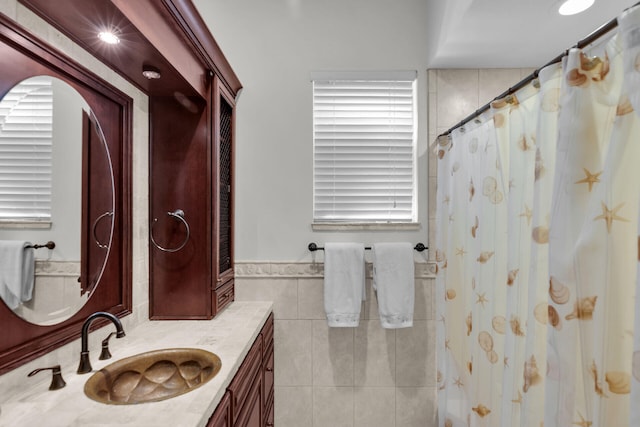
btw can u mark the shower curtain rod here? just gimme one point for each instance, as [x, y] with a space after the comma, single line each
[601, 31]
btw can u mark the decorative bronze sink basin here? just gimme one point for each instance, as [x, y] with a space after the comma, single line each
[152, 376]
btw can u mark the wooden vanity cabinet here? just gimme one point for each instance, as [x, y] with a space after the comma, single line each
[268, 371]
[222, 416]
[248, 401]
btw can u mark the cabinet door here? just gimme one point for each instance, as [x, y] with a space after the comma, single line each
[269, 417]
[268, 360]
[180, 281]
[222, 416]
[243, 383]
[252, 414]
[224, 150]
[268, 376]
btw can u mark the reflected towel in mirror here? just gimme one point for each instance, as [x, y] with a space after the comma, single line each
[17, 264]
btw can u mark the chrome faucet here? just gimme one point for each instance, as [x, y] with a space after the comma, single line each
[85, 363]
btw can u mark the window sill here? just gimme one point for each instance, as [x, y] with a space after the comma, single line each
[359, 226]
[5, 224]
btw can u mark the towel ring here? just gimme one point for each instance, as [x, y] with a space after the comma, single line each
[95, 225]
[179, 215]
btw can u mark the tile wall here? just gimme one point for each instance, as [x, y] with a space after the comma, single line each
[352, 377]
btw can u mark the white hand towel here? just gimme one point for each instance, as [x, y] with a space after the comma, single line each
[343, 283]
[394, 282]
[16, 272]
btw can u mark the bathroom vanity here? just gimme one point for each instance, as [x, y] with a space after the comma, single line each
[240, 395]
[169, 59]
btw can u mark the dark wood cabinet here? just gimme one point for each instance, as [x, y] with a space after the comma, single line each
[248, 401]
[268, 371]
[223, 189]
[252, 413]
[244, 381]
[222, 416]
[191, 167]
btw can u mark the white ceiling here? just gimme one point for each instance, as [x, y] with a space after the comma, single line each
[508, 33]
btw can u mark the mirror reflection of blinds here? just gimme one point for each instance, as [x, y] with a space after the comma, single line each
[26, 117]
[364, 144]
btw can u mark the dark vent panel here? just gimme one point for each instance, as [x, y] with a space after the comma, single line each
[226, 112]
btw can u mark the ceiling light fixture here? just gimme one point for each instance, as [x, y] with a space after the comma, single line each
[572, 7]
[151, 73]
[108, 37]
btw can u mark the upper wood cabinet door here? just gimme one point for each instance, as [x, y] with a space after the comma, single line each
[191, 162]
[224, 152]
[223, 194]
[180, 170]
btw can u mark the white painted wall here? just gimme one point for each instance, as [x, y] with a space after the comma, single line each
[273, 46]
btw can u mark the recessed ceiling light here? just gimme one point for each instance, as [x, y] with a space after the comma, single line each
[150, 72]
[108, 37]
[572, 7]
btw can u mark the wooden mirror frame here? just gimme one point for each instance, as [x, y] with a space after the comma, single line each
[21, 341]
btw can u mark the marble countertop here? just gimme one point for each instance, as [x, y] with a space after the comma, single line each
[230, 336]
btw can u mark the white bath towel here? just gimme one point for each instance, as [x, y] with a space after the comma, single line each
[343, 283]
[16, 272]
[393, 280]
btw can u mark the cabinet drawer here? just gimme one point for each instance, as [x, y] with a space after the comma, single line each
[242, 382]
[269, 414]
[251, 413]
[268, 374]
[267, 332]
[222, 416]
[223, 296]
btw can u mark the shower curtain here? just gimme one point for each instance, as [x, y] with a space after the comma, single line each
[537, 249]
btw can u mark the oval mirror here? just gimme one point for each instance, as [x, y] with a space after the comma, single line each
[56, 187]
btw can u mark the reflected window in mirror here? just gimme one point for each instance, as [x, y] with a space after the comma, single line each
[56, 163]
[26, 134]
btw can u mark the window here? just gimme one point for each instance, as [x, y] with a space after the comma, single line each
[364, 134]
[25, 152]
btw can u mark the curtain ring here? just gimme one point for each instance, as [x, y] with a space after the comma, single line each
[179, 215]
[95, 225]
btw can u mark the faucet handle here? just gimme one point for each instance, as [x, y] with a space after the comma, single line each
[106, 354]
[57, 382]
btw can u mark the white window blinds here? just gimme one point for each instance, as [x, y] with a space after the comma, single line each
[25, 151]
[364, 148]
